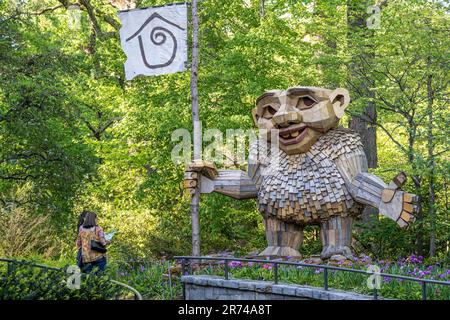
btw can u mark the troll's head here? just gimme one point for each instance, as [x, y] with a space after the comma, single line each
[300, 114]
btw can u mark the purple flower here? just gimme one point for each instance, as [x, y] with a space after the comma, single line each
[122, 274]
[250, 264]
[387, 279]
[268, 266]
[235, 264]
[318, 270]
[142, 268]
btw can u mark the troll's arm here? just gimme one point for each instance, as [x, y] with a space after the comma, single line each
[369, 189]
[233, 183]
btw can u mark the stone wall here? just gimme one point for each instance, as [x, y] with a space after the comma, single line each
[217, 288]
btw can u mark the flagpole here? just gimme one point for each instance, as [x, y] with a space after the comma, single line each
[197, 131]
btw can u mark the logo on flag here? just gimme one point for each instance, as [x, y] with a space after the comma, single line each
[154, 40]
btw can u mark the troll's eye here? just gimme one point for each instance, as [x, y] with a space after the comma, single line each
[305, 102]
[308, 101]
[269, 111]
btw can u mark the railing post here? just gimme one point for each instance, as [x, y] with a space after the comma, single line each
[424, 290]
[325, 279]
[275, 273]
[226, 270]
[183, 272]
[170, 281]
[183, 267]
[375, 293]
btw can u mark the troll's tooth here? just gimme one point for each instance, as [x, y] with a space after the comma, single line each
[286, 136]
[294, 134]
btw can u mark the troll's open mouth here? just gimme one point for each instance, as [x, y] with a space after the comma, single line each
[293, 134]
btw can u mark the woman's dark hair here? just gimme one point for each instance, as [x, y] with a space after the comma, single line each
[89, 220]
[81, 219]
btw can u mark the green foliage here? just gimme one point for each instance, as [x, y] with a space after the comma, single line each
[384, 239]
[23, 281]
[74, 135]
[150, 278]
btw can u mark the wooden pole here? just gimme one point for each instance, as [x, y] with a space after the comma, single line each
[197, 131]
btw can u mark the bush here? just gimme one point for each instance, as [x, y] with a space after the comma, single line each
[150, 278]
[23, 281]
[383, 239]
[22, 234]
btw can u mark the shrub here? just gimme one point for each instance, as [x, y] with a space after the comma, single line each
[383, 239]
[22, 234]
[23, 281]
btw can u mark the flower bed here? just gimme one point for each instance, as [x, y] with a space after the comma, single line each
[412, 266]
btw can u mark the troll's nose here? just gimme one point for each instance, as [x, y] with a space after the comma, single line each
[286, 117]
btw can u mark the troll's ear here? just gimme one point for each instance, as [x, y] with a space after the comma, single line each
[340, 99]
[255, 116]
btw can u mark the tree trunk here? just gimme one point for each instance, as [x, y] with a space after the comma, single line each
[197, 131]
[431, 164]
[262, 8]
[417, 180]
[358, 33]
[446, 215]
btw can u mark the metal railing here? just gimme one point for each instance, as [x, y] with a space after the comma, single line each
[185, 262]
[11, 262]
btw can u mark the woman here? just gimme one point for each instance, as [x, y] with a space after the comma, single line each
[89, 232]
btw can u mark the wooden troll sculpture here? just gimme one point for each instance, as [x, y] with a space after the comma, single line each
[317, 175]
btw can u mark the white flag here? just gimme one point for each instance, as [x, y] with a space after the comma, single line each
[154, 40]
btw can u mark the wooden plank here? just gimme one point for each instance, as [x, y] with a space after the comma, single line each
[387, 195]
[408, 207]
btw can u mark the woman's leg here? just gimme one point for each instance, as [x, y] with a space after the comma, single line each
[102, 264]
[79, 259]
[87, 267]
[99, 265]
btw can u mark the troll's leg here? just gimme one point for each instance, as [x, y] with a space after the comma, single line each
[336, 236]
[283, 238]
